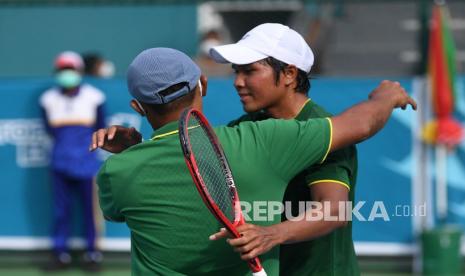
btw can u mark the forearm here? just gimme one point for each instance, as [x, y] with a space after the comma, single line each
[256, 240]
[312, 224]
[359, 122]
[365, 119]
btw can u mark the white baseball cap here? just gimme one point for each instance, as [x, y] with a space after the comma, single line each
[267, 40]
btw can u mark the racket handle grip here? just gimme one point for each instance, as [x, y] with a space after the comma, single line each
[256, 267]
[259, 273]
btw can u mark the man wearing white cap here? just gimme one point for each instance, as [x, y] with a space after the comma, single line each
[272, 63]
[149, 187]
[72, 110]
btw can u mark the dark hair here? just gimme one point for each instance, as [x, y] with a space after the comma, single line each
[303, 79]
[180, 103]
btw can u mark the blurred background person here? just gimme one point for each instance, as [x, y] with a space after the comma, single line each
[211, 68]
[95, 65]
[72, 110]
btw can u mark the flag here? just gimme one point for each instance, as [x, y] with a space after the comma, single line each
[441, 72]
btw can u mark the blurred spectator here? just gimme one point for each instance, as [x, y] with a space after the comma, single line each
[208, 66]
[97, 66]
[72, 110]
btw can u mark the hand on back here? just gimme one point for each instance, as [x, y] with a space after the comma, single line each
[115, 139]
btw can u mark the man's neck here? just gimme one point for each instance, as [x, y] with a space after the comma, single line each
[289, 107]
[159, 120]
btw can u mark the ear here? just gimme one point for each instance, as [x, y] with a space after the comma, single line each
[137, 107]
[204, 82]
[290, 74]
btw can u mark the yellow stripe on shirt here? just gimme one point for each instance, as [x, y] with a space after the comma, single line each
[164, 135]
[330, 140]
[169, 133]
[302, 107]
[330, 180]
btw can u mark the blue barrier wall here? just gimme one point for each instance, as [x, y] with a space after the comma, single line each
[385, 162]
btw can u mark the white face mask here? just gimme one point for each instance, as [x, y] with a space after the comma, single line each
[68, 78]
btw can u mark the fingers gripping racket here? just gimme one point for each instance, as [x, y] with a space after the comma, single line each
[212, 176]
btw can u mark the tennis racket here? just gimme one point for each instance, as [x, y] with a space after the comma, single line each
[212, 176]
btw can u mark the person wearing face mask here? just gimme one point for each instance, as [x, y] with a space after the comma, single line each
[72, 111]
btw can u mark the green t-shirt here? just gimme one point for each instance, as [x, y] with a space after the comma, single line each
[332, 254]
[149, 187]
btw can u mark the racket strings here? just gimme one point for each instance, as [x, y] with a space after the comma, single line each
[211, 168]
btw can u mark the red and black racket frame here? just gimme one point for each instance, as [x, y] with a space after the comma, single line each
[190, 159]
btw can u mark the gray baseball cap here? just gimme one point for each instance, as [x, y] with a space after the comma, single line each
[157, 69]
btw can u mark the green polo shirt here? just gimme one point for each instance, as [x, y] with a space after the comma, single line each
[149, 187]
[332, 254]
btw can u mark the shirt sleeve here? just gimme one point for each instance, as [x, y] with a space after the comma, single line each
[106, 198]
[339, 167]
[293, 146]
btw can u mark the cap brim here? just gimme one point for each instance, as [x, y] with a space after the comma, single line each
[236, 54]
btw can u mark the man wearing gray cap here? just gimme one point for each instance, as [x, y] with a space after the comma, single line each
[148, 185]
[272, 64]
